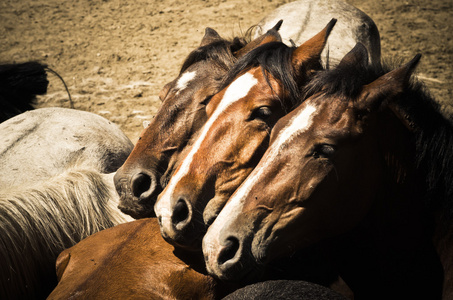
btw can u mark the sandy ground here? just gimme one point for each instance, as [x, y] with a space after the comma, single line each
[116, 55]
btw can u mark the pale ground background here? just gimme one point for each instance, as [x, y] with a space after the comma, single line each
[116, 55]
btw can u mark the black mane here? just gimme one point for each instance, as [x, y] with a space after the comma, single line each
[275, 59]
[433, 134]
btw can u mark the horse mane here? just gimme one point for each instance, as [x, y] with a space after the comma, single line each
[19, 85]
[38, 223]
[275, 59]
[433, 130]
[220, 52]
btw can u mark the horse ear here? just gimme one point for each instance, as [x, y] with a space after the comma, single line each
[210, 36]
[387, 86]
[164, 92]
[271, 35]
[358, 56]
[311, 49]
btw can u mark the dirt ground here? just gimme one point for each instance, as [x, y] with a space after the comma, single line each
[116, 55]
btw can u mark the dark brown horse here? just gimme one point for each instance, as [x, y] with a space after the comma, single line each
[182, 114]
[359, 167]
[261, 88]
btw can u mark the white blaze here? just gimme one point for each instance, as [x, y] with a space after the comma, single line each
[298, 124]
[236, 91]
[183, 82]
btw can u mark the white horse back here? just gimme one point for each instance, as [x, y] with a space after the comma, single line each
[303, 19]
[42, 143]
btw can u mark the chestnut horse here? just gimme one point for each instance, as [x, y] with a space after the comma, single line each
[54, 191]
[302, 19]
[132, 261]
[183, 112]
[359, 166]
[262, 87]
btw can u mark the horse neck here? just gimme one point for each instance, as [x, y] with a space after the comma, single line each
[393, 244]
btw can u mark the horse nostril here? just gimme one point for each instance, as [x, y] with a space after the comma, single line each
[229, 251]
[141, 183]
[180, 214]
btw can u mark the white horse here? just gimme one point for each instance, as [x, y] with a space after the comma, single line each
[304, 18]
[56, 188]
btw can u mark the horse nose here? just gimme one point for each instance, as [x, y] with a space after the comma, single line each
[182, 215]
[143, 185]
[229, 253]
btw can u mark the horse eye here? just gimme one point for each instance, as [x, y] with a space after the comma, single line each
[206, 100]
[323, 151]
[262, 113]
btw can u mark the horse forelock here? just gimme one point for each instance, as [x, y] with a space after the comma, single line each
[275, 59]
[345, 80]
[219, 53]
[40, 222]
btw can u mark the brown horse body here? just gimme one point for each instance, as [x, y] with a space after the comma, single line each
[129, 261]
[349, 170]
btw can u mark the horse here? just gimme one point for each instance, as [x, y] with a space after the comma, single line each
[158, 151]
[304, 18]
[19, 85]
[261, 87]
[362, 167]
[132, 260]
[155, 155]
[128, 261]
[56, 188]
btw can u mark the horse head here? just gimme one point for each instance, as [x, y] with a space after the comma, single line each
[320, 175]
[260, 88]
[183, 112]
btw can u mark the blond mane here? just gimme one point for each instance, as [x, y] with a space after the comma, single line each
[37, 223]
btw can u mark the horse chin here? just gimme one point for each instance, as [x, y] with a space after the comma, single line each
[188, 241]
[245, 272]
[136, 210]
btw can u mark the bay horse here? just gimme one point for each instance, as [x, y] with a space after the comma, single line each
[261, 87]
[19, 85]
[56, 188]
[358, 168]
[302, 19]
[183, 112]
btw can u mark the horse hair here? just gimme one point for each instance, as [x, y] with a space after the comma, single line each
[433, 131]
[220, 52]
[273, 58]
[38, 223]
[19, 85]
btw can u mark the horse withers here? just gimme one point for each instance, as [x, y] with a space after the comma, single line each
[304, 18]
[351, 168]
